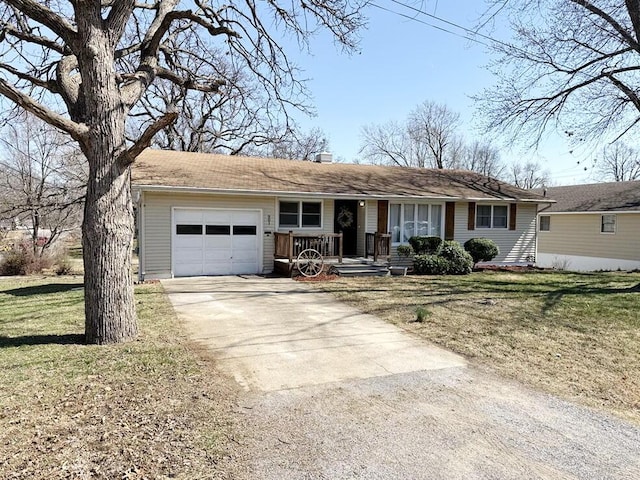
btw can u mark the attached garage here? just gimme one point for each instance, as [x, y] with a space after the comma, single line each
[216, 242]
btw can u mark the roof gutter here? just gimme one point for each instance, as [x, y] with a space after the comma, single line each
[165, 188]
[594, 212]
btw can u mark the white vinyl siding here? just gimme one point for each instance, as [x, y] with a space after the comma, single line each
[517, 245]
[372, 216]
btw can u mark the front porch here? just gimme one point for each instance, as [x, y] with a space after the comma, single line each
[288, 247]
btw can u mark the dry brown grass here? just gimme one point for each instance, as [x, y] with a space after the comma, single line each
[573, 335]
[146, 409]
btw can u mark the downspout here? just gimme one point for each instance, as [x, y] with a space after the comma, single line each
[139, 202]
[549, 205]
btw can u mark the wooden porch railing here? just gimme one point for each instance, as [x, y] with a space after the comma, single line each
[289, 245]
[378, 245]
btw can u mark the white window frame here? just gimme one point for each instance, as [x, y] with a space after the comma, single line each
[548, 229]
[299, 222]
[415, 216]
[492, 227]
[615, 223]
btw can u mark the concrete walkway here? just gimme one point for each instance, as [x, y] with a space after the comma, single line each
[274, 333]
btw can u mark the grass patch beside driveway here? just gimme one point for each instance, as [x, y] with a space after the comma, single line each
[146, 409]
[573, 335]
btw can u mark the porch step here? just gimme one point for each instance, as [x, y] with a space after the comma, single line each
[361, 270]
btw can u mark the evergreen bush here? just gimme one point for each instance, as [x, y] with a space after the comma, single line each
[460, 262]
[430, 265]
[482, 249]
[425, 245]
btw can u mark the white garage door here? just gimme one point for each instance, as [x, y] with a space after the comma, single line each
[216, 242]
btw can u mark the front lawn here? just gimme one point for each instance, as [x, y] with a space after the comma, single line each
[147, 409]
[574, 335]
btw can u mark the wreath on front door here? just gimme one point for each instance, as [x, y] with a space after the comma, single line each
[345, 218]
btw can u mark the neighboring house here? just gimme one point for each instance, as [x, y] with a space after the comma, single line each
[591, 227]
[207, 214]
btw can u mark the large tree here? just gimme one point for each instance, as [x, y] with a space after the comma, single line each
[572, 65]
[427, 138]
[84, 66]
[240, 118]
[434, 127]
[483, 158]
[618, 162]
[527, 175]
[298, 145]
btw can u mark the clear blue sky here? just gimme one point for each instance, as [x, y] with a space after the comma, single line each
[402, 63]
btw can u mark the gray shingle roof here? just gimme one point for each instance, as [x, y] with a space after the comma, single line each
[161, 168]
[596, 197]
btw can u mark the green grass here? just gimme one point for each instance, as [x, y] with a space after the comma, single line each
[69, 410]
[574, 335]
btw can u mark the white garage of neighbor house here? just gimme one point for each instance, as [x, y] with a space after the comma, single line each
[591, 227]
[209, 214]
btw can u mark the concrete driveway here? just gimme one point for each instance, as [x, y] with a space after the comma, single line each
[335, 394]
[274, 333]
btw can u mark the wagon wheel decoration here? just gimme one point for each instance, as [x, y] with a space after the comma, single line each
[310, 262]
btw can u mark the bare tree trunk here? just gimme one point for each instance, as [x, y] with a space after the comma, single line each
[107, 236]
[107, 228]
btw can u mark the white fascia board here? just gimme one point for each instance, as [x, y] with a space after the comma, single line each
[263, 193]
[599, 212]
[293, 194]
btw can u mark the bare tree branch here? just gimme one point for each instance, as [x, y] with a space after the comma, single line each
[623, 32]
[572, 66]
[47, 17]
[9, 29]
[76, 130]
[618, 162]
[128, 157]
[47, 84]
[426, 139]
[116, 21]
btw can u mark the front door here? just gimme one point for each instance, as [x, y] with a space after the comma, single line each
[346, 221]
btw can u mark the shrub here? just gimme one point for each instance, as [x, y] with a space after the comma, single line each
[405, 250]
[430, 265]
[424, 245]
[13, 263]
[482, 249]
[422, 314]
[63, 267]
[460, 262]
[22, 261]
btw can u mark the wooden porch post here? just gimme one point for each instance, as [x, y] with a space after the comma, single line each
[340, 247]
[388, 246]
[290, 247]
[376, 249]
